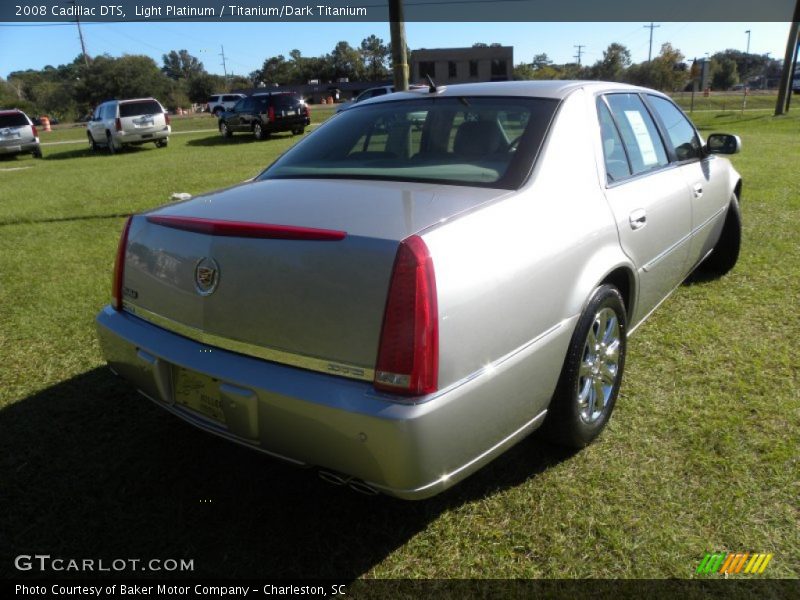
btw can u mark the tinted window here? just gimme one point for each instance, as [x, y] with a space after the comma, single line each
[642, 141]
[617, 166]
[143, 107]
[231, 98]
[110, 111]
[246, 105]
[213, 99]
[285, 101]
[680, 132]
[480, 141]
[13, 120]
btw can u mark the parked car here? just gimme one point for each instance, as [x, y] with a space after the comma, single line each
[118, 123]
[374, 92]
[262, 114]
[219, 103]
[398, 309]
[18, 134]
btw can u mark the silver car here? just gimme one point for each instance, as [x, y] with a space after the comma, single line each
[18, 134]
[119, 123]
[396, 307]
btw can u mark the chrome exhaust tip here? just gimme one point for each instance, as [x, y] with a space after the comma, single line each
[333, 478]
[340, 479]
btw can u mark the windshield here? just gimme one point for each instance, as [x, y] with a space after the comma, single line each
[484, 141]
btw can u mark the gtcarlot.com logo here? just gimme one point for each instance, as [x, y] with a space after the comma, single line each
[45, 562]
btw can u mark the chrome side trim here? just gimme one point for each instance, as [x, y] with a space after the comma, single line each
[279, 356]
[684, 239]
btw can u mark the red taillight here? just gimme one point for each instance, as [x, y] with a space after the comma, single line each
[271, 114]
[408, 356]
[166, 118]
[118, 124]
[119, 266]
[35, 131]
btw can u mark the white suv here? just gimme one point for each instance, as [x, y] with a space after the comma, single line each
[119, 123]
[219, 103]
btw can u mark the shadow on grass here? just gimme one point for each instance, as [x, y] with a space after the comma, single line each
[63, 219]
[100, 152]
[238, 138]
[92, 469]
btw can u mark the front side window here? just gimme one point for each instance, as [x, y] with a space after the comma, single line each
[642, 141]
[467, 141]
[680, 132]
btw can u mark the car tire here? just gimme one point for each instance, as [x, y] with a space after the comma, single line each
[224, 130]
[258, 131]
[92, 144]
[592, 373]
[217, 111]
[725, 254]
[162, 143]
[37, 153]
[110, 144]
[299, 131]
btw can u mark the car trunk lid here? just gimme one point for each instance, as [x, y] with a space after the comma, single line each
[292, 271]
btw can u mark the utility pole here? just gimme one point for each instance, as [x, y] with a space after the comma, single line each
[785, 91]
[80, 35]
[651, 27]
[744, 74]
[580, 48]
[224, 68]
[397, 29]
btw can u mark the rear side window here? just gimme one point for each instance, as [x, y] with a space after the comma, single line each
[617, 166]
[143, 107]
[13, 120]
[639, 133]
[231, 98]
[680, 132]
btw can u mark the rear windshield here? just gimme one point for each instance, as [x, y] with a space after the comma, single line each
[482, 141]
[285, 101]
[142, 107]
[13, 120]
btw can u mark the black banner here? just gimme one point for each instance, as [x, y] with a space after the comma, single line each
[415, 10]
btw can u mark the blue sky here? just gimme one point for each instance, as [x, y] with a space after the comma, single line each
[248, 44]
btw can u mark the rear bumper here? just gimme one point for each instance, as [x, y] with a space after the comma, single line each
[411, 451]
[127, 137]
[7, 147]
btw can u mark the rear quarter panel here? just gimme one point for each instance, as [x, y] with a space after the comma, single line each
[520, 269]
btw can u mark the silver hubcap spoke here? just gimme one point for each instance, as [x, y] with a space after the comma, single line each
[599, 368]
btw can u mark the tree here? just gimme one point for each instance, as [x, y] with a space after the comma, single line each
[203, 85]
[523, 72]
[616, 58]
[346, 62]
[724, 73]
[665, 72]
[374, 54]
[540, 61]
[181, 65]
[276, 71]
[130, 76]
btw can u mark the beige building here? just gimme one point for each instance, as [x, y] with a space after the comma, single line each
[462, 65]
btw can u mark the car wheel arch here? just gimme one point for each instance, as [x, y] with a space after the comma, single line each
[609, 265]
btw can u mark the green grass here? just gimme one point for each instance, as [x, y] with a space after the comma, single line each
[701, 455]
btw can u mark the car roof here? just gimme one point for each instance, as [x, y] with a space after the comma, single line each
[556, 89]
[11, 111]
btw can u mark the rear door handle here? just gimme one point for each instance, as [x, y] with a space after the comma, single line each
[638, 218]
[697, 190]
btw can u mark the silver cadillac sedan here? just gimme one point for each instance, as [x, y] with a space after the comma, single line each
[396, 305]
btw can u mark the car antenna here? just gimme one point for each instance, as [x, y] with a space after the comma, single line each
[431, 85]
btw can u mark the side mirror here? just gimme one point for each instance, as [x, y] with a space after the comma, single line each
[723, 143]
